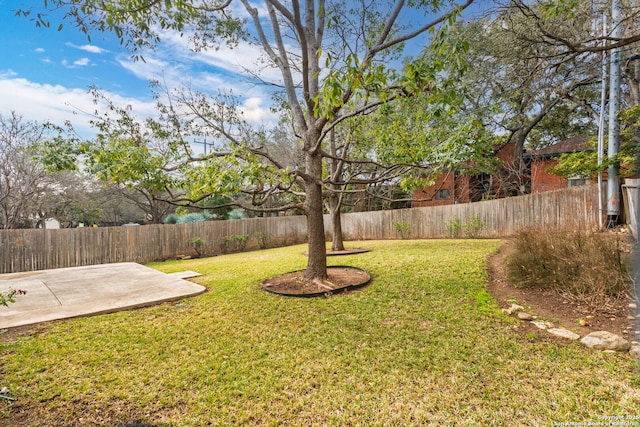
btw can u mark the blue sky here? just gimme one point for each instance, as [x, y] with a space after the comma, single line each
[45, 74]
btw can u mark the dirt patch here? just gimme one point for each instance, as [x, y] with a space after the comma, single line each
[12, 334]
[339, 279]
[553, 307]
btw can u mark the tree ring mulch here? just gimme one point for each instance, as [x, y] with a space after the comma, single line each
[347, 251]
[340, 279]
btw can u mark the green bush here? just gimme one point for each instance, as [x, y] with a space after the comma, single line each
[225, 244]
[194, 217]
[236, 243]
[197, 244]
[454, 227]
[171, 218]
[263, 239]
[237, 213]
[473, 227]
[241, 241]
[403, 228]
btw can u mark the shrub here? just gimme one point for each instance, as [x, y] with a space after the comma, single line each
[263, 239]
[234, 243]
[241, 241]
[237, 213]
[403, 228]
[225, 244]
[473, 227]
[171, 218]
[197, 244]
[587, 267]
[194, 217]
[453, 227]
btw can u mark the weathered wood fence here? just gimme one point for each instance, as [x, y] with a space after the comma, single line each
[29, 249]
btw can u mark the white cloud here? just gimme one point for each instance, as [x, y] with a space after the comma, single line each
[88, 48]
[39, 50]
[149, 69]
[238, 59]
[6, 74]
[81, 62]
[55, 103]
[254, 113]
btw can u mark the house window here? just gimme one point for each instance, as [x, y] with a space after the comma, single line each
[577, 182]
[445, 193]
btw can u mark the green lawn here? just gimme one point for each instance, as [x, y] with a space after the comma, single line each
[423, 344]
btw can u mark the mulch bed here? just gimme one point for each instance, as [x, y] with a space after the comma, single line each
[339, 279]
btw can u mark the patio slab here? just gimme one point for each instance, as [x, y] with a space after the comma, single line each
[81, 291]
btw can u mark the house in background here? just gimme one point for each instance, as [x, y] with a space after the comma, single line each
[544, 159]
[455, 187]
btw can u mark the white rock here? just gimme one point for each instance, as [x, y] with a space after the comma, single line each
[603, 340]
[563, 333]
[542, 324]
[514, 308]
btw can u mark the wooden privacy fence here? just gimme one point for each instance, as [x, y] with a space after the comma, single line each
[575, 208]
[29, 249]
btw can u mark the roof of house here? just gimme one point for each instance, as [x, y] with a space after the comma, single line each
[570, 145]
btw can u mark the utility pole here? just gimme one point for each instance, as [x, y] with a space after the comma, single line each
[204, 144]
[601, 121]
[613, 171]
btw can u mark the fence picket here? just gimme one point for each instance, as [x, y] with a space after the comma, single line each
[29, 249]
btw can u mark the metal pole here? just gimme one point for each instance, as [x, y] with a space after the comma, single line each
[204, 143]
[601, 122]
[613, 180]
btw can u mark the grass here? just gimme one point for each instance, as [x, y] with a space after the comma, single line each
[423, 344]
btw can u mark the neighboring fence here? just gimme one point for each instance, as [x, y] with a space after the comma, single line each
[29, 249]
[575, 207]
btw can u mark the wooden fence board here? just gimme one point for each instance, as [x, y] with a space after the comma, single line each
[28, 249]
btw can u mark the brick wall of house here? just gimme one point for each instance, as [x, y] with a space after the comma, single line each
[542, 180]
[428, 196]
[457, 185]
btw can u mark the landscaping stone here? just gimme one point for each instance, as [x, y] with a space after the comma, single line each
[542, 324]
[524, 316]
[603, 340]
[563, 333]
[513, 309]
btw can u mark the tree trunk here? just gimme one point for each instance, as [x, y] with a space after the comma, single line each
[317, 261]
[335, 198]
[515, 178]
[337, 244]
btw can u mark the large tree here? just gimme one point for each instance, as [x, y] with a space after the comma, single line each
[570, 31]
[27, 190]
[335, 60]
[518, 90]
